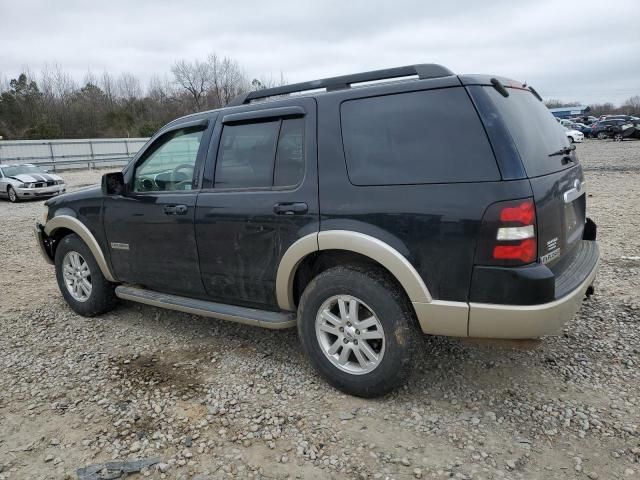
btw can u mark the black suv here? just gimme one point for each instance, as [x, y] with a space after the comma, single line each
[363, 212]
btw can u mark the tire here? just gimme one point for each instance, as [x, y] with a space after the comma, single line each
[602, 136]
[101, 296]
[617, 137]
[572, 140]
[372, 290]
[12, 195]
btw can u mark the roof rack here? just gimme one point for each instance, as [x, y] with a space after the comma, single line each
[425, 70]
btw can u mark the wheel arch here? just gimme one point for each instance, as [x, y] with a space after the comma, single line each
[62, 225]
[348, 241]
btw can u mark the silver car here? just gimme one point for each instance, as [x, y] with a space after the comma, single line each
[28, 181]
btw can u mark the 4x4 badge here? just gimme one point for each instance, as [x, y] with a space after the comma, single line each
[119, 246]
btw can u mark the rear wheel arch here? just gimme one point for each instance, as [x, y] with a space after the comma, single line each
[300, 264]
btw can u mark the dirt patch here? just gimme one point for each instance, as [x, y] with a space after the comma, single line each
[177, 370]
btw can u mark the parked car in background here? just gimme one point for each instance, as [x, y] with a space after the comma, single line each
[574, 136]
[565, 122]
[28, 181]
[610, 128]
[581, 127]
[251, 214]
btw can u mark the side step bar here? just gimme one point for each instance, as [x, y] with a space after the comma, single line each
[248, 316]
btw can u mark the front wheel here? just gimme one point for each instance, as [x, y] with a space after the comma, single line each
[572, 140]
[80, 280]
[617, 137]
[13, 196]
[358, 329]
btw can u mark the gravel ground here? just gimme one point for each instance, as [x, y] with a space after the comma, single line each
[212, 399]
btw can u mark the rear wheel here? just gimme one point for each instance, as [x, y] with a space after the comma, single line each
[602, 136]
[13, 196]
[357, 328]
[80, 280]
[617, 137]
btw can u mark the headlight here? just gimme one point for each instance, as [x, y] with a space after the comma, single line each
[45, 215]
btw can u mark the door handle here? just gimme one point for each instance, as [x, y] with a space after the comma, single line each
[175, 209]
[295, 208]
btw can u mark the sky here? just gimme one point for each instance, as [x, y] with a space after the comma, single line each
[585, 50]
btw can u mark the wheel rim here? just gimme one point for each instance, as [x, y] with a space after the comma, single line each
[350, 334]
[77, 276]
[12, 195]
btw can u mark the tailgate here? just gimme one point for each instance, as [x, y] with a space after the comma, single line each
[560, 211]
[549, 162]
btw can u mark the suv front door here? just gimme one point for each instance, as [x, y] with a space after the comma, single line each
[150, 229]
[260, 196]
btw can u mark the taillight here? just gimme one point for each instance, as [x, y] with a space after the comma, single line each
[508, 234]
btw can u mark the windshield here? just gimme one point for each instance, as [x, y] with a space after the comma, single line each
[21, 170]
[534, 130]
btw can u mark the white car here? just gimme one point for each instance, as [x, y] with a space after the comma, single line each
[574, 136]
[28, 181]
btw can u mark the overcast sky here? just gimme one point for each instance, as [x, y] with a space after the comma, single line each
[572, 50]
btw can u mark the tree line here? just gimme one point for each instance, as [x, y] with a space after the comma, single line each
[51, 104]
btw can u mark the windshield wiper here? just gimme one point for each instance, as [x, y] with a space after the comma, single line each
[563, 151]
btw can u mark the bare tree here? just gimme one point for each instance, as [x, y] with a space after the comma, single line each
[228, 80]
[128, 87]
[631, 106]
[108, 86]
[194, 78]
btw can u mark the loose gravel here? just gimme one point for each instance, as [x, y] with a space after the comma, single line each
[212, 399]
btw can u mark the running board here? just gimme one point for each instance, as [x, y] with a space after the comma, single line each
[248, 316]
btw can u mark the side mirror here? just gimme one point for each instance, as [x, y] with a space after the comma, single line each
[113, 184]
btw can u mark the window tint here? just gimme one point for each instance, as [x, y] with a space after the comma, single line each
[171, 164]
[246, 155]
[261, 155]
[533, 128]
[289, 168]
[432, 136]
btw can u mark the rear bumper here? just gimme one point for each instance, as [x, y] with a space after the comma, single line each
[528, 302]
[528, 321]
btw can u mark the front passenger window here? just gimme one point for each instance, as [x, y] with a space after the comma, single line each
[171, 164]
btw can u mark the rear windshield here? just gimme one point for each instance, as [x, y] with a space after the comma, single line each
[535, 131]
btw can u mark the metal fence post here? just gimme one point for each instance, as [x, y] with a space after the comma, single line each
[53, 158]
[93, 164]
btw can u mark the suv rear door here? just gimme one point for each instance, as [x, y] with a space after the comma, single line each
[553, 170]
[260, 196]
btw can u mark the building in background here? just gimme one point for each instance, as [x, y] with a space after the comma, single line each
[566, 112]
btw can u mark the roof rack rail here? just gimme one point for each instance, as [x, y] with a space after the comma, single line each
[424, 70]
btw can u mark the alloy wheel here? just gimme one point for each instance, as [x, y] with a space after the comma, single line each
[77, 276]
[350, 334]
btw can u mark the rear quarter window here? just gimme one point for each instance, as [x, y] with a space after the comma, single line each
[431, 136]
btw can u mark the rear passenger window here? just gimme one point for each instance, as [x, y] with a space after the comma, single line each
[432, 136]
[246, 154]
[261, 155]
